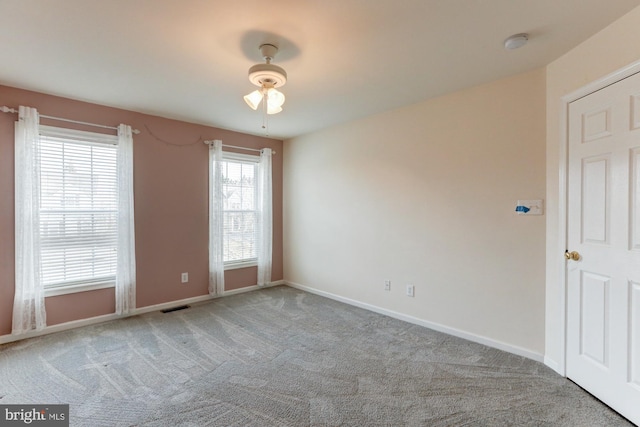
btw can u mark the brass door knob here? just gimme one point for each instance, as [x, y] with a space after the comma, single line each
[573, 255]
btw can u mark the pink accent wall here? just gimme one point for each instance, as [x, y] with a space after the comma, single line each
[171, 206]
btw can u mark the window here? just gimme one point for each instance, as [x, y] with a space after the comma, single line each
[78, 208]
[240, 214]
[239, 174]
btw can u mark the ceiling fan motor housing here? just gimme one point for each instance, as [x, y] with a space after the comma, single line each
[260, 74]
[269, 74]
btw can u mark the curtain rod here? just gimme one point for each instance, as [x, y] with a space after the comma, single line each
[235, 146]
[6, 109]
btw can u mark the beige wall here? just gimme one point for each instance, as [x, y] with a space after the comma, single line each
[606, 52]
[426, 195]
[171, 207]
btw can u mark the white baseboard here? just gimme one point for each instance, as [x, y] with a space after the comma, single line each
[171, 304]
[252, 288]
[4, 339]
[61, 327]
[553, 365]
[421, 322]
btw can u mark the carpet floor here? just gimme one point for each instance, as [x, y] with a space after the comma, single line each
[283, 357]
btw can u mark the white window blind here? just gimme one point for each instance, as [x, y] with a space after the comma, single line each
[79, 207]
[239, 192]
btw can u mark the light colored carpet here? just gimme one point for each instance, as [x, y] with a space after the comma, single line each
[282, 357]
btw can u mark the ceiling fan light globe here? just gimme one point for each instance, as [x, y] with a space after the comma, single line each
[253, 99]
[275, 98]
[273, 110]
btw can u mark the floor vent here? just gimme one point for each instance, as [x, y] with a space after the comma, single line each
[180, 307]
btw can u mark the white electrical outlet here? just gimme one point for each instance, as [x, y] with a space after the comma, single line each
[387, 285]
[184, 277]
[410, 291]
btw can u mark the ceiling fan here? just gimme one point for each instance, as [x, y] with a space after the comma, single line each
[267, 77]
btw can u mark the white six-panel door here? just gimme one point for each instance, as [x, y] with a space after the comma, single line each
[603, 300]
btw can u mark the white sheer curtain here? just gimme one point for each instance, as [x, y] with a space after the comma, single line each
[265, 218]
[216, 220]
[28, 304]
[126, 264]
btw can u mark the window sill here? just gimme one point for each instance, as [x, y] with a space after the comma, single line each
[72, 289]
[237, 265]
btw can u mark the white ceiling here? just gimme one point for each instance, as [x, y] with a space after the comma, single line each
[188, 59]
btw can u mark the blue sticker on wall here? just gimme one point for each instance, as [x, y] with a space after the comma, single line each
[523, 209]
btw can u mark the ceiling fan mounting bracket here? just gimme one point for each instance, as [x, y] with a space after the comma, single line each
[268, 51]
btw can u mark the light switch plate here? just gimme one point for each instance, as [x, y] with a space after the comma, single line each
[411, 291]
[530, 207]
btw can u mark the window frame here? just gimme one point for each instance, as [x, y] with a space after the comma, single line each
[89, 138]
[228, 156]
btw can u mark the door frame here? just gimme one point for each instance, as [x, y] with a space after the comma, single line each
[560, 365]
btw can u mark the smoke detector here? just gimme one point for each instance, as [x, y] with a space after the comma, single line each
[515, 41]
